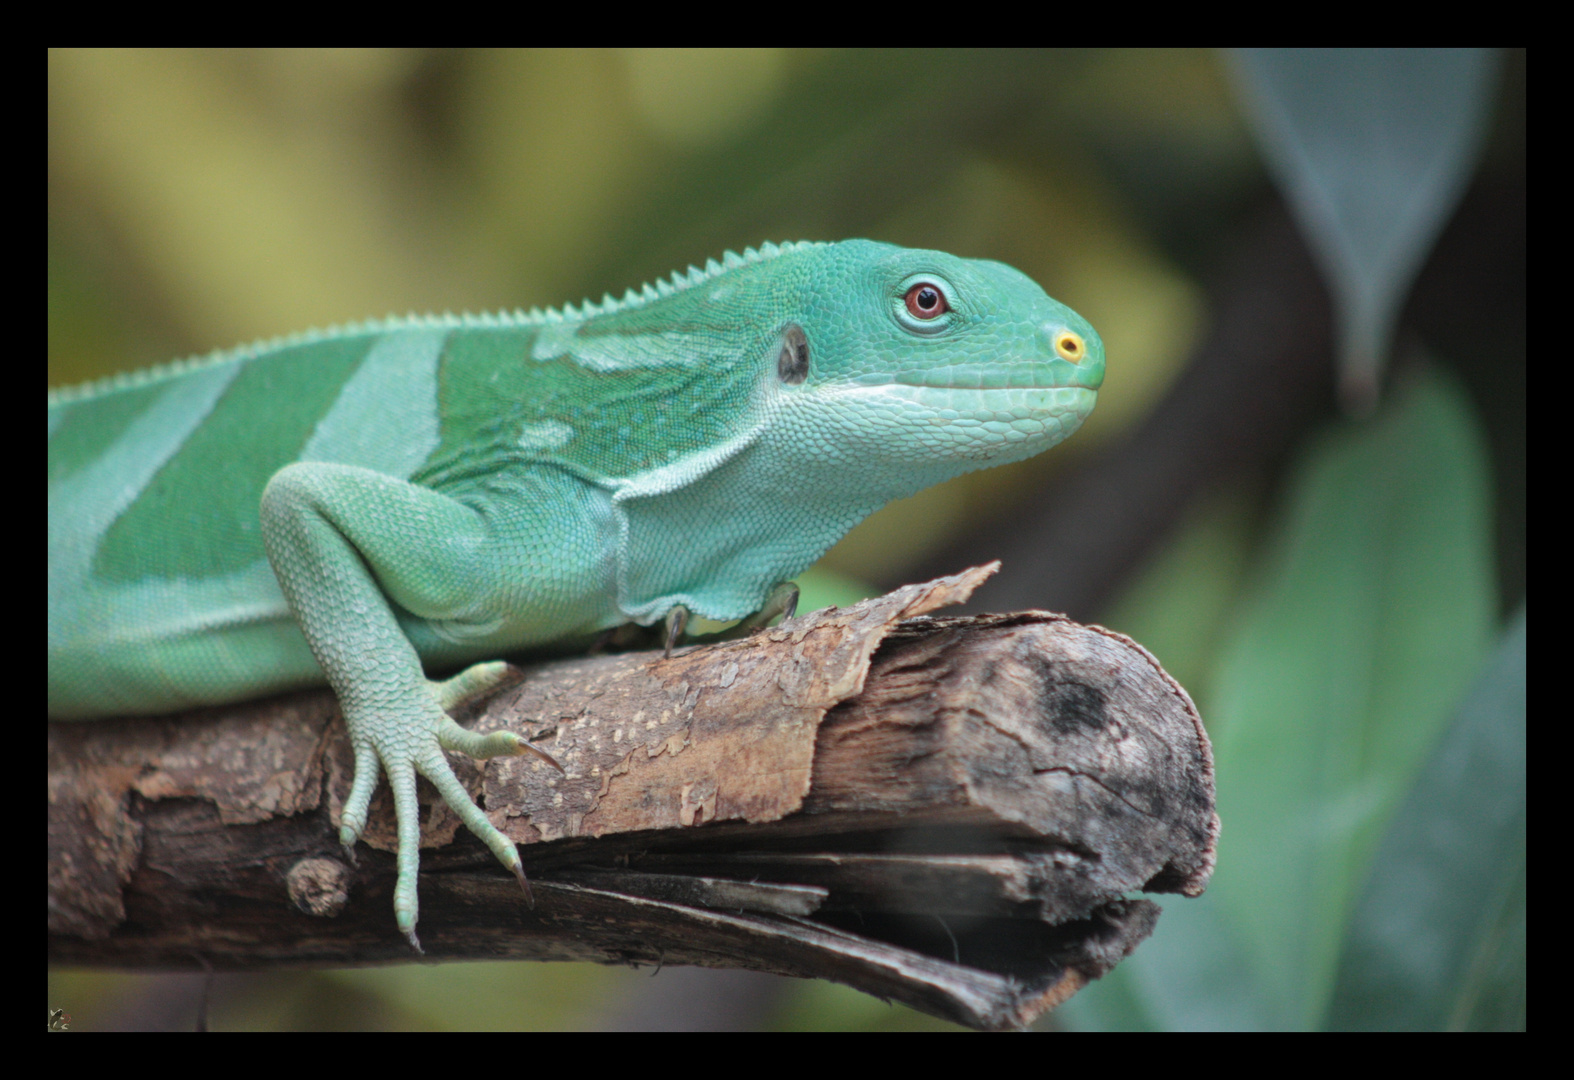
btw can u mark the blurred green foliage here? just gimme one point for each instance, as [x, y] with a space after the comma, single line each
[1330, 614]
[1374, 148]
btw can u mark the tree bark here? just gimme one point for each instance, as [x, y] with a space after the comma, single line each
[947, 812]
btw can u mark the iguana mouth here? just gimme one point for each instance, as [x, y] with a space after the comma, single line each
[1053, 375]
[1011, 414]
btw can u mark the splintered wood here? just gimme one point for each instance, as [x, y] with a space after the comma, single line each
[947, 812]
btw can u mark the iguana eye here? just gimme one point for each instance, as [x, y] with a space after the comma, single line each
[1070, 346]
[925, 301]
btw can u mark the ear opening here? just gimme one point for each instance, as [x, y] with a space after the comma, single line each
[792, 362]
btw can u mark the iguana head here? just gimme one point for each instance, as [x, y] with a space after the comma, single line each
[887, 368]
[928, 360]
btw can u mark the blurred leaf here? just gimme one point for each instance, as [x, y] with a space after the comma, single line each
[1373, 148]
[1438, 938]
[1376, 612]
[1373, 613]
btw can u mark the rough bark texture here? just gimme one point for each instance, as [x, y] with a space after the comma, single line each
[944, 812]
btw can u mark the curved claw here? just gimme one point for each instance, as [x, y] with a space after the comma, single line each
[677, 622]
[524, 883]
[536, 751]
[782, 601]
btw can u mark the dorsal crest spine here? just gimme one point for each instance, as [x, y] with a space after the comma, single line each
[648, 293]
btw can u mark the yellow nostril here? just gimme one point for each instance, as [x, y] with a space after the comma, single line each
[1069, 346]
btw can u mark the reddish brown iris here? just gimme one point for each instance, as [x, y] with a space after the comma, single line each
[926, 302]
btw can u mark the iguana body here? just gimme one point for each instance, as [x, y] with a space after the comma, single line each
[367, 502]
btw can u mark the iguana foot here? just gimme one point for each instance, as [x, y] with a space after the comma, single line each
[404, 743]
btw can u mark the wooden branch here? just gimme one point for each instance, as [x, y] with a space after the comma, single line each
[944, 812]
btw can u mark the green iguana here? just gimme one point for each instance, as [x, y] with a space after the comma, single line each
[360, 504]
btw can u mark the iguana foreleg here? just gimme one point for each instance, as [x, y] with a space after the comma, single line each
[344, 542]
